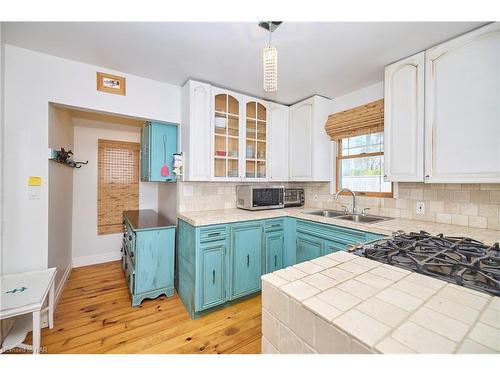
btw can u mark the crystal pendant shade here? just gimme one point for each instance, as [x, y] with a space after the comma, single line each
[270, 60]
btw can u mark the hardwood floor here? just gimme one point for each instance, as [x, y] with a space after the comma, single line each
[94, 315]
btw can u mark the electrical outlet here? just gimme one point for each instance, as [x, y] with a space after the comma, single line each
[316, 198]
[420, 208]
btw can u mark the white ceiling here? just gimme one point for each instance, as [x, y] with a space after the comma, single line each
[329, 59]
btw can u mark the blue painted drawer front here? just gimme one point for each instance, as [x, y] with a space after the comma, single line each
[212, 275]
[159, 144]
[246, 256]
[149, 262]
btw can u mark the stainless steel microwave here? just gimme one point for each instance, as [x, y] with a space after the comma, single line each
[255, 197]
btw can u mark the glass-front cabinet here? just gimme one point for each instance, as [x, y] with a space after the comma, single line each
[256, 140]
[239, 137]
[226, 136]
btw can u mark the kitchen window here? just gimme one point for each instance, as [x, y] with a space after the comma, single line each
[360, 165]
[117, 183]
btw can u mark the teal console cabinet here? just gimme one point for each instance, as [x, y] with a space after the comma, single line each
[148, 255]
[158, 146]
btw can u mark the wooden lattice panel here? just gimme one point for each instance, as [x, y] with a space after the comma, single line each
[117, 183]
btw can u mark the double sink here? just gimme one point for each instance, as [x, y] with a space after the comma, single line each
[358, 218]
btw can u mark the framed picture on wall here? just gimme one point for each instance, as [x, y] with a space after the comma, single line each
[110, 83]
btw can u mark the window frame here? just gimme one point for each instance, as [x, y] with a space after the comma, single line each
[338, 160]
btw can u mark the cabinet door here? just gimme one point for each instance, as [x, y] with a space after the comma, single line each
[212, 275]
[462, 127]
[333, 246]
[163, 146]
[278, 142]
[145, 153]
[300, 137]
[246, 254]
[404, 120]
[196, 131]
[307, 248]
[274, 251]
[255, 140]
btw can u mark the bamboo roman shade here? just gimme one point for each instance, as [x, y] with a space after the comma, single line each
[365, 119]
[117, 183]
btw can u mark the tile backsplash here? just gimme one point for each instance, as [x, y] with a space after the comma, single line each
[474, 205]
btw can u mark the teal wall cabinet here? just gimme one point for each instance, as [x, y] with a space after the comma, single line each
[158, 146]
[148, 255]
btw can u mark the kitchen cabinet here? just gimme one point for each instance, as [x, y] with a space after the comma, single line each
[278, 141]
[462, 125]
[404, 120]
[308, 247]
[309, 149]
[196, 131]
[220, 263]
[158, 146]
[148, 255]
[256, 145]
[246, 256]
[212, 274]
[274, 242]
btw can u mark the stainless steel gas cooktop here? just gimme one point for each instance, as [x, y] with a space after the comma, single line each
[458, 260]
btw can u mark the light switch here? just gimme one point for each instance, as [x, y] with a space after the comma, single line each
[34, 192]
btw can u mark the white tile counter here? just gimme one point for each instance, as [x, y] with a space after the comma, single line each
[200, 218]
[342, 303]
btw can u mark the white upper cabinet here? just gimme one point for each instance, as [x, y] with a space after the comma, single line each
[277, 133]
[462, 127]
[404, 120]
[196, 131]
[309, 146]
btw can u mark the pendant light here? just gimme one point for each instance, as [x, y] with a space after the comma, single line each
[270, 59]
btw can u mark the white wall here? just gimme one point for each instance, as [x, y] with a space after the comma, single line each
[88, 247]
[356, 98]
[60, 195]
[32, 80]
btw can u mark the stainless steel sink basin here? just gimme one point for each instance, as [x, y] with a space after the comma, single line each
[363, 218]
[358, 218]
[326, 213]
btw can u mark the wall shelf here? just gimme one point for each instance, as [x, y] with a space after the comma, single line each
[75, 164]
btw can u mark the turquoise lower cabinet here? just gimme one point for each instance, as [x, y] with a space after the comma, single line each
[158, 146]
[246, 257]
[307, 248]
[220, 263]
[148, 255]
[274, 243]
[212, 275]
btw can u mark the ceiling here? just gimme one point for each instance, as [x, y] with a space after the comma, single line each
[325, 58]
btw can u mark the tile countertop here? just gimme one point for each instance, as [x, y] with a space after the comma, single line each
[200, 218]
[342, 303]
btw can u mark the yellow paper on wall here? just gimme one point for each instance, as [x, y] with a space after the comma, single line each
[34, 181]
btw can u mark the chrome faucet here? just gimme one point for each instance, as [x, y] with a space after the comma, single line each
[353, 197]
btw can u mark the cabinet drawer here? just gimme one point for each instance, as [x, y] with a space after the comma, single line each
[273, 225]
[328, 232]
[129, 274]
[213, 233]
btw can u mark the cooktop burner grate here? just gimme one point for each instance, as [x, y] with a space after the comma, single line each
[460, 260]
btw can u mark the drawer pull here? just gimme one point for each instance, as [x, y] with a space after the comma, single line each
[126, 265]
[130, 238]
[121, 250]
[213, 234]
[131, 254]
[213, 277]
[275, 225]
[248, 260]
[275, 260]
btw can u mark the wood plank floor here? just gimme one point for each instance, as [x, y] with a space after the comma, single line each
[94, 315]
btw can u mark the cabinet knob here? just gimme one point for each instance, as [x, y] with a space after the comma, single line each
[427, 176]
[131, 254]
[130, 238]
[385, 176]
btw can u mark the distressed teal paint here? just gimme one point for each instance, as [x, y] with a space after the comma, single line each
[153, 155]
[246, 256]
[219, 263]
[148, 261]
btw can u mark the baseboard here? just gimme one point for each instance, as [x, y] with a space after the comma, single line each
[96, 259]
[62, 283]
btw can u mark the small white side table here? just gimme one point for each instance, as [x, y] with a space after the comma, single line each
[25, 293]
